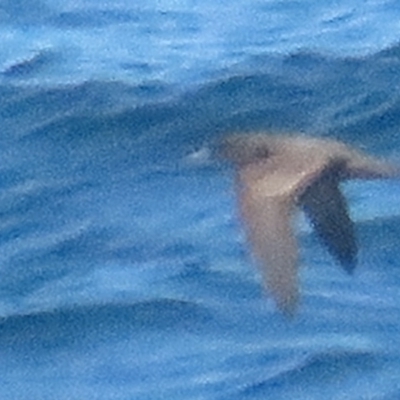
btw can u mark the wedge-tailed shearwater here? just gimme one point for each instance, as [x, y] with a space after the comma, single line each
[276, 173]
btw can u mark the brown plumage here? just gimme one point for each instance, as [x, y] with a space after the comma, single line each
[274, 174]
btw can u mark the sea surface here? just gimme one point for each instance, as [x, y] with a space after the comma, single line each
[124, 269]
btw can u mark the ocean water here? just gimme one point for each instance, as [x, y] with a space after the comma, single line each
[124, 272]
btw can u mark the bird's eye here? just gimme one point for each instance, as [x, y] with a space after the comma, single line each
[261, 153]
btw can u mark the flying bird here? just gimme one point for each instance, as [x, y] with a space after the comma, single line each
[275, 174]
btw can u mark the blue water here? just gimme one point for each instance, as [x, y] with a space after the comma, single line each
[124, 272]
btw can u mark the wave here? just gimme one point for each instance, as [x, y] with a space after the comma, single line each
[97, 323]
[383, 120]
[343, 97]
[32, 65]
[322, 369]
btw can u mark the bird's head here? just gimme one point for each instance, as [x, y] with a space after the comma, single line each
[242, 149]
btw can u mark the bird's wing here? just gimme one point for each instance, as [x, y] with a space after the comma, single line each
[327, 209]
[267, 205]
[268, 223]
[359, 165]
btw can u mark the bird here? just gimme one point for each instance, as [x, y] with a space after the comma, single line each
[277, 174]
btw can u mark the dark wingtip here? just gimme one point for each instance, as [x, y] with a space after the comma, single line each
[348, 261]
[349, 266]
